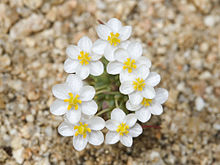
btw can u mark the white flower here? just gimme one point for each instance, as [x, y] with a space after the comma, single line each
[82, 60]
[111, 35]
[128, 61]
[73, 98]
[140, 86]
[122, 127]
[147, 107]
[86, 130]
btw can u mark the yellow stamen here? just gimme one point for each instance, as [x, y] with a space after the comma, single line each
[82, 129]
[139, 84]
[84, 58]
[73, 101]
[123, 129]
[146, 102]
[129, 64]
[113, 39]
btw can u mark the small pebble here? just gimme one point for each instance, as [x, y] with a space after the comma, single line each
[3, 155]
[216, 126]
[18, 155]
[200, 104]
[204, 47]
[181, 39]
[29, 118]
[5, 61]
[209, 21]
[49, 131]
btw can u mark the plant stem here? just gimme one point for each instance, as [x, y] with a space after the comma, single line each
[103, 111]
[112, 93]
[101, 87]
[101, 91]
[107, 92]
[116, 102]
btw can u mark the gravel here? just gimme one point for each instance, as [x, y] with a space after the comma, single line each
[180, 37]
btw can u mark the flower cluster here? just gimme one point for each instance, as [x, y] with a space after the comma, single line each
[81, 102]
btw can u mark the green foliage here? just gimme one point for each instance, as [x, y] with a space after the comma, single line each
[107, 96]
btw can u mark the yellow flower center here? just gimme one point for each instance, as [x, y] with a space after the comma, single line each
[123, 129]
[82, 129]
[113, 39]
[129, 64]
[146, 102]
[139, 84]
[84, 58]
[73, 101]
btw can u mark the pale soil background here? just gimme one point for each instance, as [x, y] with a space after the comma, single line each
[181, 37]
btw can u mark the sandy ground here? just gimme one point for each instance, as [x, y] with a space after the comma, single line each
[182, 38]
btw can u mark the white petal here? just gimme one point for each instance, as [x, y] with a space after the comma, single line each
[130, 120]
[125, 76]
[135, 50]
[156, 109]
[73, 116]
[58, 107]
[112, 125]
[89, 107]
[132, 107]
[96, 138]
[114, 67]
[74, 82]
[125, 32]
[126, 140]
[111, 137]
[136, 130]
[79, 142]
[142, 72]
[96, 57]
[148, 92]
[124, 44]
[96, 123]
[73, 51]
[118, 115]
[161, 95]
[121, 55]
[143, 61]
[143, 114]
[70, 65]
[87, 93]
[126, 87]
[153, 79]
[85, 118]
[83, 71]
[99, 46]
[109, 52]
[66, 129]
[135, 98]
[85, 44]
[96, 68]
[114, 24]
[103, 31]
[61, 91]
